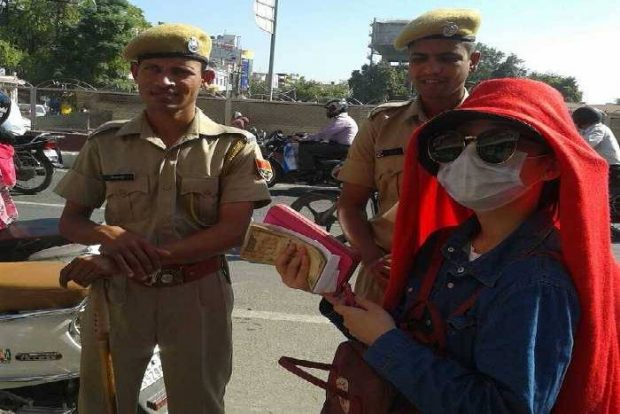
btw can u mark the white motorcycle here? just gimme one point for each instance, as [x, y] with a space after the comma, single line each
[40, 326]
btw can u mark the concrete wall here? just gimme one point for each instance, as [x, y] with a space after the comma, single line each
[288, 116]
[269, 116]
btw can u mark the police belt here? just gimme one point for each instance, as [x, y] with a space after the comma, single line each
[173, 275]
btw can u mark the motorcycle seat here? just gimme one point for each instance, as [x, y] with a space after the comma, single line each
[28, 286]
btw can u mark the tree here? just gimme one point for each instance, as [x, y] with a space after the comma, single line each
[313, 91]
[566, 85]
[379, 83]
[93, 47]
[496, 64]
[10, 57]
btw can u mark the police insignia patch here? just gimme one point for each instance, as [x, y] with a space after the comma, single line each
[263, 167]
[450, 29]
[193, 45]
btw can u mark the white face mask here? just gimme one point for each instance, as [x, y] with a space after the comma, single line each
[479, 185]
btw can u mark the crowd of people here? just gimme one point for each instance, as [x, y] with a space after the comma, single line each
[495, 290]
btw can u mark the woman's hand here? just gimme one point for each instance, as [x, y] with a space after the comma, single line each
[366, 323]
[83, 270]
[293, 265]
[380, 269]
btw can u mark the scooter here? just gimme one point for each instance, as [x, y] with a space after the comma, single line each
[40, 326]
[35, 157]
[281, 152]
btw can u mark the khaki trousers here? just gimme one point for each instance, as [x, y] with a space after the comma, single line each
[191, 323]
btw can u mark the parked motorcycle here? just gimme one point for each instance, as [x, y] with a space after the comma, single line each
[280, 151]
[40, 327]
[35, 157]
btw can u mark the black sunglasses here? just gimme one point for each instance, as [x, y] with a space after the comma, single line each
[494, 146]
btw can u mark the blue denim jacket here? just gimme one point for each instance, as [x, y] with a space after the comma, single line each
[510, 351]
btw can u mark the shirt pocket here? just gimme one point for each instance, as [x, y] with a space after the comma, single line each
[200, 199]
[461, 333]
[127, 201]
[389, 176]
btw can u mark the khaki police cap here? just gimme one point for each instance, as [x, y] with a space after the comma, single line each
[451, 24]
[169, 40]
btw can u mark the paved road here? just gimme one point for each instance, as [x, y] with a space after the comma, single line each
[269, 321]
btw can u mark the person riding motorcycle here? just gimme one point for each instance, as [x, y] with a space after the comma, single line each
[338, 134]
[240, 121]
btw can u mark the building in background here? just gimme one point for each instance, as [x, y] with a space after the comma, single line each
[232, 64]
[382, 35]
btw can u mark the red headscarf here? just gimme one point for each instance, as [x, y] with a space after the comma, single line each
[592, 384]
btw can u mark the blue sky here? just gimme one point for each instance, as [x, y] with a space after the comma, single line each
[326, 40]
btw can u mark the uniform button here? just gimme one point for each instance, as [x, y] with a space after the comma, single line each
[167, 187]
[460, 269]
[451, 249]
[450, 285]
[409, 290]
[427, 322]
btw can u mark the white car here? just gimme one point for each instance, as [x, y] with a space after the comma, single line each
[25, 108]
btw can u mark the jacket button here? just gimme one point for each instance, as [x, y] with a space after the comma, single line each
[450, 285]
[451, 249]
[460, 269]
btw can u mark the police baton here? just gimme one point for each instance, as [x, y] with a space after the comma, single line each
[101, 313]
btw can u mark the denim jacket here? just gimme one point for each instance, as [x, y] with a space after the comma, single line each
[507, 354]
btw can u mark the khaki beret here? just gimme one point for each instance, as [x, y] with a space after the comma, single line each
[169, 40]
[451, 24]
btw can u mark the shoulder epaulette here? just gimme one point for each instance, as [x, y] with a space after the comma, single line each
[386, 106]
[108, 126]
[247, 136]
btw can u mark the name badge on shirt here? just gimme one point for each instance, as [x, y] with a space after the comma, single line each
[389, 152]
[118, 177]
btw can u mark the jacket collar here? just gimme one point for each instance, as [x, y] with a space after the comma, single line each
[529, 236]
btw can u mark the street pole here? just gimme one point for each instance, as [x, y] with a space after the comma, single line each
[272, 50]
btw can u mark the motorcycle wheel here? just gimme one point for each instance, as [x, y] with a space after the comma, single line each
[320, 207]
[39, 182]
[277, 173]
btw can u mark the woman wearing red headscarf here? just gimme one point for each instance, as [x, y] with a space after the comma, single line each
[515, 309]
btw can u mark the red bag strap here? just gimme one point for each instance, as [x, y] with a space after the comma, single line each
[293, 365]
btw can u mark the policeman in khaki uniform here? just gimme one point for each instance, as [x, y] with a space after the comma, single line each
[179, 191]
[441, 55]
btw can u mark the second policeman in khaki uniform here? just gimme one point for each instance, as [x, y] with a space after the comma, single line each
[442, 53]
[179, 191]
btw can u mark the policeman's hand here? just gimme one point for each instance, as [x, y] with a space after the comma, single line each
[380, 268]
[83, 270]
[367, 322]
[293, 265]
[133, 255]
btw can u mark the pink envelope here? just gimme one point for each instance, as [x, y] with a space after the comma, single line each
[284, 216]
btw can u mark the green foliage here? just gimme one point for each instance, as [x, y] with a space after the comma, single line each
[61, 39]
[303, 89]
[10, 56]
[93, 47]
[496, 64]
[313, 91]
[567, 85]
[379, 83]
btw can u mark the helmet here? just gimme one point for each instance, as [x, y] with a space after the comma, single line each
[336, 106]
[237, 114]
[586, 115]
[5, 106]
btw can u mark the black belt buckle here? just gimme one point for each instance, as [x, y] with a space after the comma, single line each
[166, 277]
